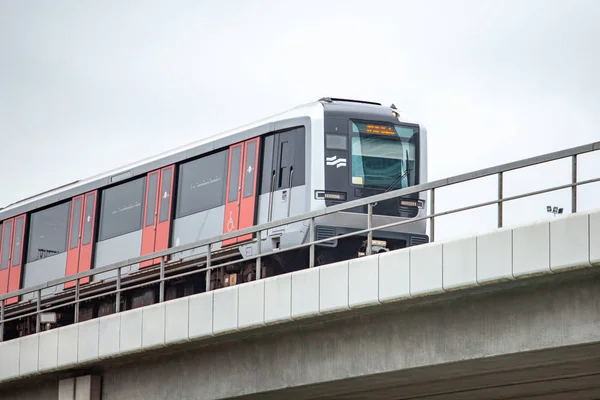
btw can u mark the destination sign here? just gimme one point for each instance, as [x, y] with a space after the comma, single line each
[380, 129]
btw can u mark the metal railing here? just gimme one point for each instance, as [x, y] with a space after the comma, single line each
[207, 265]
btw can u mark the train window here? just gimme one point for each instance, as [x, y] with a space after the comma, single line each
[17, 245]
[285, 162]
[336, 142]
[249, 167]
[267, 164]
[202, 184]
[166, 194]
[7, 232]
[75, 223]
[151, 208]
[88, 218]
[234, 178]
[122, 209]
[48, 232]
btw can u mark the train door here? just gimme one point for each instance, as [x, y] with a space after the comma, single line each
[240, 203]
[11, 255]
[157, 212]
[283, 172]
[81, 236]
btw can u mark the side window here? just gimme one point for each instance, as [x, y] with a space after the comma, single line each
[88, 220]
[299, 156]
[267, 164]
[17, 245]
[202, 184]
[6, 233]
[122, 208]
[234, 179]
[75, 224]
[165, 194]
[249, 182]
[48, 232]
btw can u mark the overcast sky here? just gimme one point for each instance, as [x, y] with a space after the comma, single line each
[87, 86]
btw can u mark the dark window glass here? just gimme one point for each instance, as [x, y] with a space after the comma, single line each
[17, 243]
[336, 142]
[88, 220]
[7, 232]
[48, 232]
[75, 223]
[285, 156]
[267, 165]
[234, 177]
[383, 155]
[151, 207]
[299, 156]
[165, 195]
[202, 184]
[250, 169]
[122, 209]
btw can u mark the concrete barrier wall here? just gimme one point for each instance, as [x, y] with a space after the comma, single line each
[547, 247]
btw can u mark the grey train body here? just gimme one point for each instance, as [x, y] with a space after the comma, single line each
[308, 155]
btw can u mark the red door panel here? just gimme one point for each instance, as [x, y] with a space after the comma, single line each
[14, 276]
[88, 222]
[165, 198]
[73, 244]
[150, 213]
[5, 246]
[248, 201]
[232, 198]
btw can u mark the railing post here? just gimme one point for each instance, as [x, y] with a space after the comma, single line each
[2, 320]
[369, 226]
[432, 218]
[161, 286]
[500, 196]
[258, 259]
[311, 239]
[118, 296]
[76, 319]
[574, 181]
[38, 309]
[208, 259]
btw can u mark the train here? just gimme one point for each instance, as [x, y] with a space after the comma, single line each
[307, 158]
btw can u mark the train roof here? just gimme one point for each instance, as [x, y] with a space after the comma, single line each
[191, 150]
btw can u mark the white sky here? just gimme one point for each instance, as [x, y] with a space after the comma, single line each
[89, 86]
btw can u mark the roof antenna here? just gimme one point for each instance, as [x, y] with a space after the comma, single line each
[393, 107]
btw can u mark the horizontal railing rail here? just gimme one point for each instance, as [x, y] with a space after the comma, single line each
[205, 259]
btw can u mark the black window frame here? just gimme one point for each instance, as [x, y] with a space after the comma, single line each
[417, 137]
[182, 176]
[102, 235]
[37, 254]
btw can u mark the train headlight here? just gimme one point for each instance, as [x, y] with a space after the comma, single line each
[327, 195]
[412, 203]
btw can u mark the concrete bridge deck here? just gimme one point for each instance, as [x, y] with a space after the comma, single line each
[514, 311]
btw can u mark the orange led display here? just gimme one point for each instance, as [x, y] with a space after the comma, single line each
[380, 130]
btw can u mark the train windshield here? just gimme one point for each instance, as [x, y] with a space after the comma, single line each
[383, 155]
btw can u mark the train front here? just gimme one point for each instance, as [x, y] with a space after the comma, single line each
[369, 150]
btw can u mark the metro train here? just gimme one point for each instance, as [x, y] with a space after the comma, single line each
[310, 157]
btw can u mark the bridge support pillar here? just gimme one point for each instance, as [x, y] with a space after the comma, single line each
[80, 388]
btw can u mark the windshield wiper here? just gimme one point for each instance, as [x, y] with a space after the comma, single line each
[401, 176]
